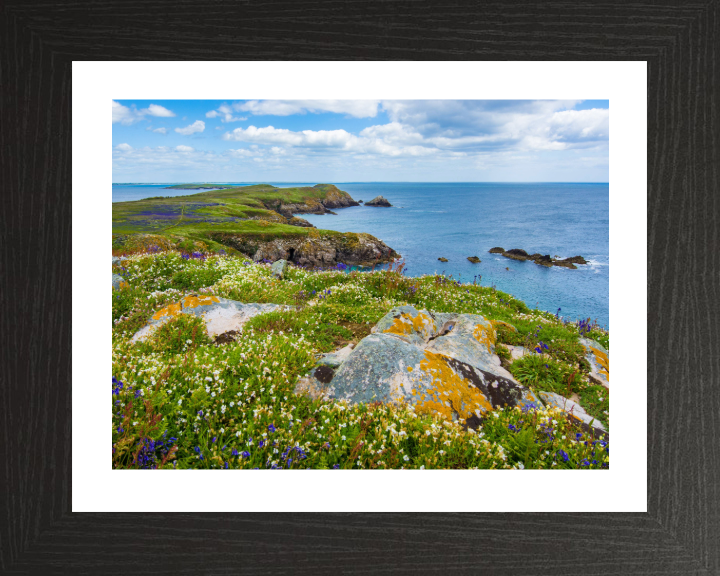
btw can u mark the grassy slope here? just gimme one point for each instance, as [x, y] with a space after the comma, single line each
[196, 398]
[227, 210]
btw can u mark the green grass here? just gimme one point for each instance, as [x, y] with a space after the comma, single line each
[186, 402]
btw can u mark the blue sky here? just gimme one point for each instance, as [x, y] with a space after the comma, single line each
[360, 140]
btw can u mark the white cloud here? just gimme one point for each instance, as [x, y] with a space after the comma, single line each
[125, 115]
[197, 126]
[183, 148]
[354, 108]
[225, 113]
[124, 147]
[157, 110]
[122, 114]
[160, 130]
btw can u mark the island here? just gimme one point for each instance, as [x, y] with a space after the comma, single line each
[542, 259]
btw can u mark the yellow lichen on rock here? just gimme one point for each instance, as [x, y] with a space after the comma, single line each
[603, 361]
[405, 325]
[485, 336]
[195, 301]
[171, 310]
[448, 393]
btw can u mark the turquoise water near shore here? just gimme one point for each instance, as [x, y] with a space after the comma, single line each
[457, 220]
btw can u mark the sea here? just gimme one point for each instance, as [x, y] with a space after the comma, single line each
[458, 220]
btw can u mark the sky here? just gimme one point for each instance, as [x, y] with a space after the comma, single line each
[332, 141]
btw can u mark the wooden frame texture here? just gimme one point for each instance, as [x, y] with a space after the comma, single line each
[680, 533]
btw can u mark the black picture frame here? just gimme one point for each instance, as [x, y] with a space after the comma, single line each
[680, 533]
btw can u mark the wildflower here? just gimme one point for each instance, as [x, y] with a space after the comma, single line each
[246, 454]
[563, 455]
[271, 428]
[406, 458]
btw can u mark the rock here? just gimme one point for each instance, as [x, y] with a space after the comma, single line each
[440, 363]
[541, 259]
[496, 250]
[599, 360]
[360, 201]
[335, 359]
[474, 259]
[327, 250]
[572, 409]
[443, 259]
[220, 315]
[278, 268]
[118, 282]
[295, 221]
[517, 351]
[516, 254]
[379, 201]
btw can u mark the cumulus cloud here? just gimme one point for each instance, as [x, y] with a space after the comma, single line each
[354, 108]
[124, 147]
[126, 115]
[183, 148]
[157, 110]
[160, 130]
[225, 113]
[197, 126]
[122, 114]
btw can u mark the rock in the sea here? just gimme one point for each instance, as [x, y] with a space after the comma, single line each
[599, 360]
[118, 282]
[439, 363]
[379, 201]
[474, 259]
[278, 268]
[442, 259]
[496, 250]
[572, 409]
[220, 315]
[516, 254]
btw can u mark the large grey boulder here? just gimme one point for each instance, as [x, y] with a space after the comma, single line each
[599, 360]
[220, 315]
[439, 363]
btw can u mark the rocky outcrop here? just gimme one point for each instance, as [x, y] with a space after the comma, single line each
[334, 198]
[278, 268]
[379, 201]
[575, 412]
[599, 360]
[327, 250]
[443, 259]
[541, 259]
[220, 315]
[474, 259]
[295, 221]
[118, 282]
[440, 363]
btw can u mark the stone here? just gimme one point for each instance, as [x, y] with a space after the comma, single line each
[442, 259]
[572, 409]
[517, 351]
[599, 360]
[220, 315]
[335, 359]
[496, 250]
[379, 201]
[278, 268]
[516, 254]
[118, 282]
[474, 259]
[440, 363]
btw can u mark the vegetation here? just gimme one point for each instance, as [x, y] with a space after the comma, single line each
[181, 400]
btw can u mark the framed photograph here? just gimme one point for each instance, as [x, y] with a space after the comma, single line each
[279, 346]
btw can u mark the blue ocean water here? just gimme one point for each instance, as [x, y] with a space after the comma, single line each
[457, 220]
